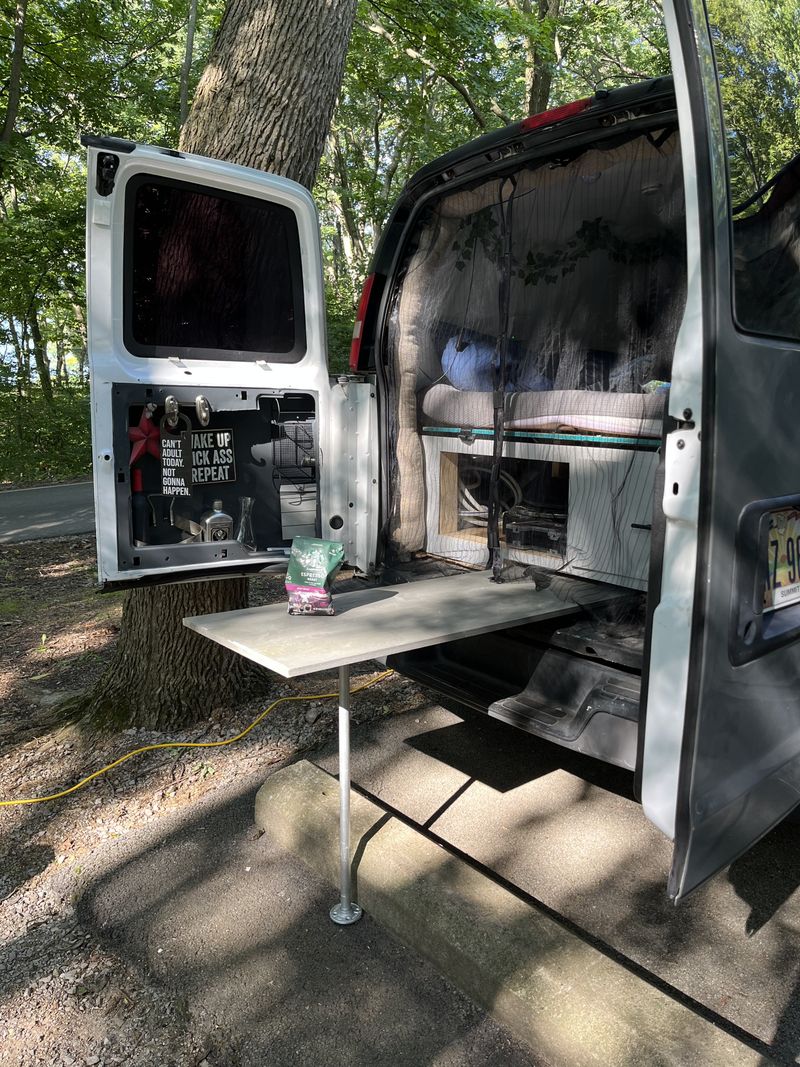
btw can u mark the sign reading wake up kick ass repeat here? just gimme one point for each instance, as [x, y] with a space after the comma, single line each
[195, 458]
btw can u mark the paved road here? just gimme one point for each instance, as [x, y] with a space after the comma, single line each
[47, 511]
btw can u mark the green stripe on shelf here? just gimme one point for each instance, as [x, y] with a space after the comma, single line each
[531, 435]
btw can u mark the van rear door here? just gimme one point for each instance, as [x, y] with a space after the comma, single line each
[721, 757]
[217, 433]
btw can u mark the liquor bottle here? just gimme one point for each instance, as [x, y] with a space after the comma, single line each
[217, 525]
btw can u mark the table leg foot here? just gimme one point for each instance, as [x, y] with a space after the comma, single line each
[346, 914]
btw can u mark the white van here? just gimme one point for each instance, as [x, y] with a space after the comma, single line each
[573, 363]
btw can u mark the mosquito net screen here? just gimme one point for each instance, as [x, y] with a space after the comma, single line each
[530, 339]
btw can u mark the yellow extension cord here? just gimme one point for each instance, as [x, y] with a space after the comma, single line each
[190, 744]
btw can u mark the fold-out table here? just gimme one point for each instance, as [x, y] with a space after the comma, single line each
[377, 622]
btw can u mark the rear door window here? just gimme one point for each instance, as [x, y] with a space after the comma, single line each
[757, 48]
[210, 275]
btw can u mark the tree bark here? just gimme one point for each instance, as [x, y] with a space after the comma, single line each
[40, 355]
[265, 100]
[186, 69]
[266, 96]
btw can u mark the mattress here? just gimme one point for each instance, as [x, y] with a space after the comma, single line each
[562, 410]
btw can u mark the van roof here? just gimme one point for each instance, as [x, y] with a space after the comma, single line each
[655, 93]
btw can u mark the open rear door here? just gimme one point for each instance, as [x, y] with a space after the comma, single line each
[721, 761]
[217, 433]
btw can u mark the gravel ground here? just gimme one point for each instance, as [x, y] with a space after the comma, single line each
[64, 999]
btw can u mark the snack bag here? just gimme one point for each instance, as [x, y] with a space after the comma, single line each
[313, 564]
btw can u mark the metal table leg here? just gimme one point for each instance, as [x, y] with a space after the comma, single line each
[346, 911]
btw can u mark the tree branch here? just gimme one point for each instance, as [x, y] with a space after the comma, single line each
[504, 117]
[459, 87]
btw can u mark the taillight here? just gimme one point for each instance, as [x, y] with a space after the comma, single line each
[556, 114]
[358, 329]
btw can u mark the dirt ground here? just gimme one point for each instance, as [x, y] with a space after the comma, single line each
[64, 999]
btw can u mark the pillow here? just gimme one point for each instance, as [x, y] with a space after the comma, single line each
[472, 368]
[528, 378]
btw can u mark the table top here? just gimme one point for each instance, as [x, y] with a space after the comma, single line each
[378, 622]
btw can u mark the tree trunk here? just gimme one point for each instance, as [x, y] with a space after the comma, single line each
[541, 55]
[266, 96]
[19, 414]
[265, 100]
[14, 84]
[40, 355]
[79, 315]
[61, 366]
[186, 69]
[25, 358]
[162, 673]
[354, 247]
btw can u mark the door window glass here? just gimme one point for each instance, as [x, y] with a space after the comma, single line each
[210, 275]
[757, 45]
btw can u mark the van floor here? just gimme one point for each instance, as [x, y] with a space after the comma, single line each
[574, 680]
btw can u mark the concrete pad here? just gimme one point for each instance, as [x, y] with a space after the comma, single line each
[566, 830]
[553, 990]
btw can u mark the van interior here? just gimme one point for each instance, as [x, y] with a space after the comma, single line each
[528, 350]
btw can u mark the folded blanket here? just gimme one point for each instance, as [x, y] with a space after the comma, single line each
[628, 414]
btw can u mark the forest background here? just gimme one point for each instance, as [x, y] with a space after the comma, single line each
[421, 77]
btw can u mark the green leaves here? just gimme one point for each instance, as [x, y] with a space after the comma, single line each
[108, 66]
[424, 76]
[757, 46]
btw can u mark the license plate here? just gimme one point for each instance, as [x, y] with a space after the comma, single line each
[783, 559]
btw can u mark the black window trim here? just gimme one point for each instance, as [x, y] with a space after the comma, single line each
[734, 211]
[294, 355]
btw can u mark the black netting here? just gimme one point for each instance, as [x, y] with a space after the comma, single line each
[531, 332]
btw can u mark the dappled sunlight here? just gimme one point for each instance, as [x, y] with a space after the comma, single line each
[523, 828]
[523, 832]
[241, 930]
[66, 568]
[86, 638]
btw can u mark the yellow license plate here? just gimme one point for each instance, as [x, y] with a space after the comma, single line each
[783, 559]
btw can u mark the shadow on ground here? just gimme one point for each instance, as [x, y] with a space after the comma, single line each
[567, 830]
[241, 930]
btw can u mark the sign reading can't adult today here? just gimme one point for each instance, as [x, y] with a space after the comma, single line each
[196, 458]
[176, 463]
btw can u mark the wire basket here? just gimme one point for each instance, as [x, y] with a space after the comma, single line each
[294, 452]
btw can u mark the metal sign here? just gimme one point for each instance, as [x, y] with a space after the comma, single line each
[196, 458]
